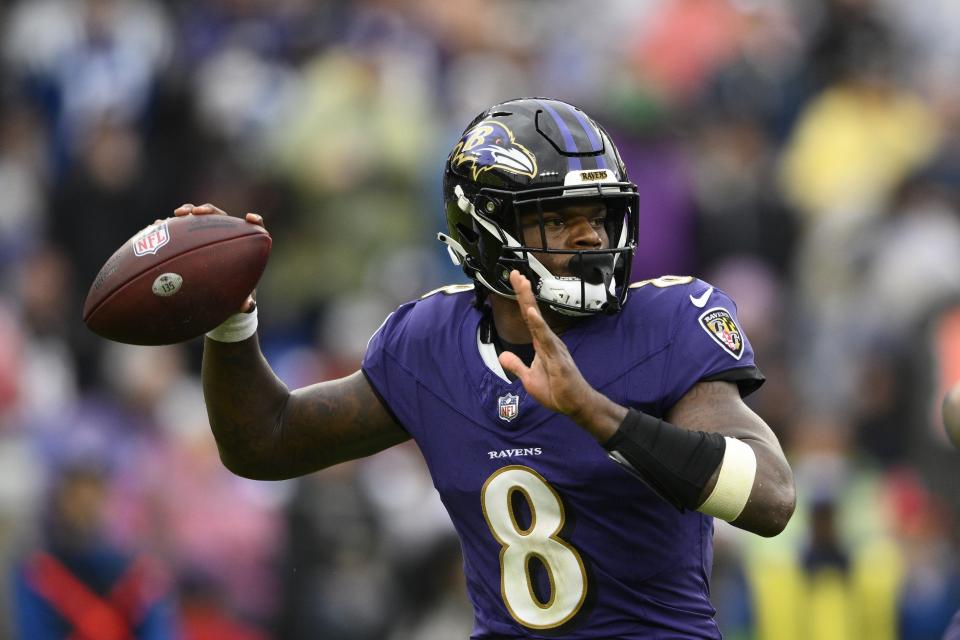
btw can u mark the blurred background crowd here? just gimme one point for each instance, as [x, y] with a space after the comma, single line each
[802, 156]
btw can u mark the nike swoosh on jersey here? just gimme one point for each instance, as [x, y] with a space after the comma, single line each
[701, 301]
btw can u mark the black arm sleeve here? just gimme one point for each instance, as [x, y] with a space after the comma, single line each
[673, 461]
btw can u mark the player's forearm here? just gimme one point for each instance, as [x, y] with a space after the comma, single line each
[770, 495]
[772, 498]
[711, 454]
[245, 404]
[599, 415]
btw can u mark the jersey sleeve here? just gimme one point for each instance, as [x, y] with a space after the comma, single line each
[389, 380]
[709, 345]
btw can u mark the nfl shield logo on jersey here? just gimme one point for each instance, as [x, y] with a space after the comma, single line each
[508, 406]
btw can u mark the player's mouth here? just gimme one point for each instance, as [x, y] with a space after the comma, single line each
[592, 268]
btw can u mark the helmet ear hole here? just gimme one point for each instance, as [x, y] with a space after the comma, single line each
[469, 235]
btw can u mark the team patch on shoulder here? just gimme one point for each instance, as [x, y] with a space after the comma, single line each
[720, 325]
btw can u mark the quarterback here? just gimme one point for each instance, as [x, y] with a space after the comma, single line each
[583, 430]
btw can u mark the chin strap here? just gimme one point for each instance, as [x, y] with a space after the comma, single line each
[456, 251]
[460, 257]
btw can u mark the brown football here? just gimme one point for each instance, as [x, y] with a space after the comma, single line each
[177, 279]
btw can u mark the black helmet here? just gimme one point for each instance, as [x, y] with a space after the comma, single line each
[524, 157]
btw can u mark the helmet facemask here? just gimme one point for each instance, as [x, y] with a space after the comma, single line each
[594, 280]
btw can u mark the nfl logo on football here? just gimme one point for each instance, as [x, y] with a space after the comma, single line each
[508, 406]
[151, 239]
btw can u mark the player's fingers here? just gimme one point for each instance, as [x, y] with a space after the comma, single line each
[512, 363]
[524, 290]
[207, 208]
[248, 305]
[183, 210]
[254, 218]
[544, 339]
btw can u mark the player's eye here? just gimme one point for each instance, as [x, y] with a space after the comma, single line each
[553, 223]
[598, 222]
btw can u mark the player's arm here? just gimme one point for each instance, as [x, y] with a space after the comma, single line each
[710, 453]
[266, 432]
[717, 408]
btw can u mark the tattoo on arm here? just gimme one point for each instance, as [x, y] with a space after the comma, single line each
[263, 431]
[336, 421]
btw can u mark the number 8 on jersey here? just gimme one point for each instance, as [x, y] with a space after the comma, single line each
[564, 567]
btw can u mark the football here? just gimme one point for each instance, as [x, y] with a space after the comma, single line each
[177, 279]
[951, 414]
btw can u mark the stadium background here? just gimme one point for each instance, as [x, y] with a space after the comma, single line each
[804, 157]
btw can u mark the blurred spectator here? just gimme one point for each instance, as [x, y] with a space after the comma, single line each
[339, 584]
[106, 197]
[840, 578]
[854, 143]
[205, 614]
[740, 212]
[47, 364]
[931, 584]
[912, 259]
[848, 36]
[23, 174]
[86, 60]
[229, 531]
[684, 42]
[77, 584]
[853, 146]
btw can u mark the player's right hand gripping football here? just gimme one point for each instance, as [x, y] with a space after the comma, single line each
[208, 209]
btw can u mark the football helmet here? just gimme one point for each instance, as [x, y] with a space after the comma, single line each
[518, 160]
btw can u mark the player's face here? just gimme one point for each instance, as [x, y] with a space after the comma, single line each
[572, 226]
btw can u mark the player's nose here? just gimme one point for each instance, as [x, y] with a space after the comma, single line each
[583, 234]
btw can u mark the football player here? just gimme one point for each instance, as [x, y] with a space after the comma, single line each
[583, 431]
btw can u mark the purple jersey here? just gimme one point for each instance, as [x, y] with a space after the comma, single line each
[557, 539]
[953, 629]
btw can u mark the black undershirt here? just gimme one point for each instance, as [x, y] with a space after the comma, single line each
[489, 335]
[525, 352]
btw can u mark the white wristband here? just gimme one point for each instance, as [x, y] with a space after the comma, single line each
[734, 483]
[237, 327]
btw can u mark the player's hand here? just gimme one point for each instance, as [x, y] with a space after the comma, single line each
[208, 209]
[553, 378]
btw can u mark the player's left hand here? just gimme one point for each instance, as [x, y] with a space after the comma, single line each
[553, 378]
